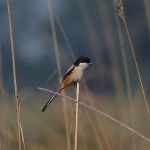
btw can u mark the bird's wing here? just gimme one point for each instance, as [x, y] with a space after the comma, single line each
[63, 85]
[69, 71]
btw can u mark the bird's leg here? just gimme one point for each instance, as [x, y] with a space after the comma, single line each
[75, 84]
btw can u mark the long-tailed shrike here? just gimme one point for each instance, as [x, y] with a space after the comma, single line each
[72, 76]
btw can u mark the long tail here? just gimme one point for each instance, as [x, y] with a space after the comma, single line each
[50, 100]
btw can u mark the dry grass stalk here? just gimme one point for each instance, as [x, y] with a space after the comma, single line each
[0, 144]
[14, 77]
[65, 38]
[21, 130]
[147, 10]
[119, 4]
[57, 54]
[95, 46]
[101, 136]
[119, 123]
[22, 137]
[115, 71]
[2, 89]
[76, 118]
[71, 127]
[124, 57]
[125, 64]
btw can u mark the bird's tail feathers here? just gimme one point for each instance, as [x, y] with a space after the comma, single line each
[50, 100]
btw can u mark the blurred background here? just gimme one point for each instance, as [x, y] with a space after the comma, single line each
[83, 28]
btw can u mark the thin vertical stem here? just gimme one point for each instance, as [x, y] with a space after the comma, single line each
[14, 76]
[65, 38]
[120, 7]
[124, 58]
[137, 68]
[76, 118]
[57, 54]
[54, 36]
[147, 11]
[1, 76]
[126, 69]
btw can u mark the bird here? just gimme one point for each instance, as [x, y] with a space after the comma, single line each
[72, 77]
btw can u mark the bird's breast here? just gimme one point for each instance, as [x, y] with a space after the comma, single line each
[77, 74]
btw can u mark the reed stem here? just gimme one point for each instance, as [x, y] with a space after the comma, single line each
[76, 118]
[14, 77]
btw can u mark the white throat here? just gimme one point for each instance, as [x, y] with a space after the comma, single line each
[83, 65]
[79, 70]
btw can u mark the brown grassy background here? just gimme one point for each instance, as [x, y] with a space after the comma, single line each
[111, 85]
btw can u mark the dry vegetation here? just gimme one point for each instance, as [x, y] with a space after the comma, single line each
[109, 121]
